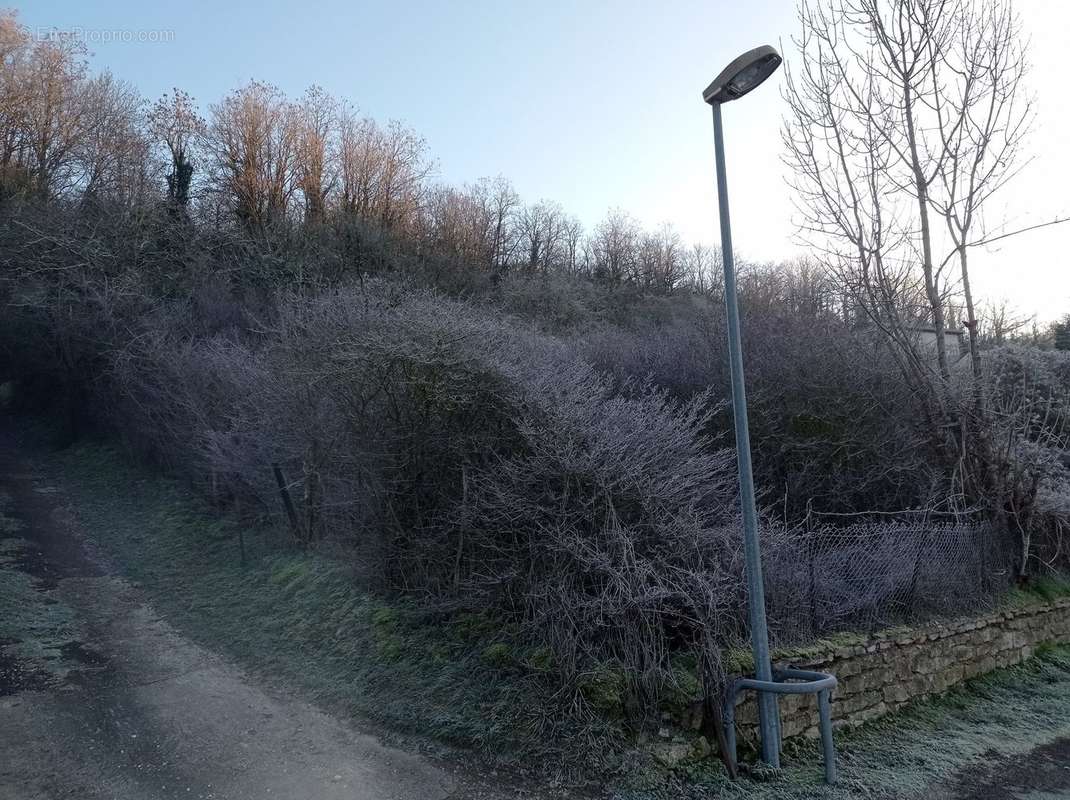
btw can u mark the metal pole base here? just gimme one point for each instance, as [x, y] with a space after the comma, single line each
[788, 681]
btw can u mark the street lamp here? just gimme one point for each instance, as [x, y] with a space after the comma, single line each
[741, 76]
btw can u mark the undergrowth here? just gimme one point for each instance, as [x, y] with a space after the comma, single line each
[1040, 589]
[301, 620]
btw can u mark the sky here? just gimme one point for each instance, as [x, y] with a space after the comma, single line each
[591, 103]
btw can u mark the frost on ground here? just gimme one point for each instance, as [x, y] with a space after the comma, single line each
[101, 698]
[104, 659]
[1004, 737]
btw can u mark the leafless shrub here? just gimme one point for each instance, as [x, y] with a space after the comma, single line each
[1028, 394]
[287, 318]
[621, 509]
[467, 459]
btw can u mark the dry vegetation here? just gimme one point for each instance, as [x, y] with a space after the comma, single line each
[488, 409]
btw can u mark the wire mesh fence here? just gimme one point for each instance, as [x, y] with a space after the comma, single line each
[868, 575]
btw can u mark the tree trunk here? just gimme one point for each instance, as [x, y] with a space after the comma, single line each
[971, 318]
[932, 290]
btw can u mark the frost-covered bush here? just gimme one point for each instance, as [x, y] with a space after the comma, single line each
[833, 426]
[467, 458]
[1028, 424]
[546, 450]
[621, 512]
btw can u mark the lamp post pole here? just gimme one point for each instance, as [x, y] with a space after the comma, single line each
[739, 78]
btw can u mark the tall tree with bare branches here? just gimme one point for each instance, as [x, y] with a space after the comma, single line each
[984, 115]
[252, 142]
[174, 122]
[383, 171]
[55, 113]
[316, 123]
[906, 115]
[115, 146]
[15, 51]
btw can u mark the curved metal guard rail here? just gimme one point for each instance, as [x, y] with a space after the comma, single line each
[788, 681]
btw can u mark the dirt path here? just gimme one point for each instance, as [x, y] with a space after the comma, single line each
[1041, 774]
[101, 699]
[132, 710]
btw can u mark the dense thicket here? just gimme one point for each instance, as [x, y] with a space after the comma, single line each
[480, 404]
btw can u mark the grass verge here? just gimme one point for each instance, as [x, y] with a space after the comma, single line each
[300, 620]
[919, 753]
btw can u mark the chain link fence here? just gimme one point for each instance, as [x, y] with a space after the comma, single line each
[873, 574]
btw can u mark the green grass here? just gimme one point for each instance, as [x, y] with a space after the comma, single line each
[300, 620]
[1039, 590]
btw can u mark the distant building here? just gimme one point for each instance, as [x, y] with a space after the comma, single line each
[925, 338]
[954, 341]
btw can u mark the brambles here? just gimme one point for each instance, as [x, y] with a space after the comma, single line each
[571, 487]
[477, 407]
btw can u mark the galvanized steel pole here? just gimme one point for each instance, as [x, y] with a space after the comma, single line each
[767, 710]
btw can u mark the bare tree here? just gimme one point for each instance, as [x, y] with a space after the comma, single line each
[999, 323]
[661, 259]
[572, 243]
[405, 167]
[702, 264]
[984, 118]
[846, 193]
[316, 124]
[358, 157]
[911, 36]
[906, 117]
[252, 142]
[55, 111]
[383, 171]
[614, 245]
[499, 203]
[114, 149]
[452, 225]
[174, 122]
[540, 231]
[902, 109]
[15, 50]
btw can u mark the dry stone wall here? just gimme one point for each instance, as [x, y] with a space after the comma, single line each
[895, 668]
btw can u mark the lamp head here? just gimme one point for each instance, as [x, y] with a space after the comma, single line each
[742, 75]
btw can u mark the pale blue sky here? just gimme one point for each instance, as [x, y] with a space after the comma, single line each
[594, 104]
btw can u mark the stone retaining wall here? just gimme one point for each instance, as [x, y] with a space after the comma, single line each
[894, 668]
